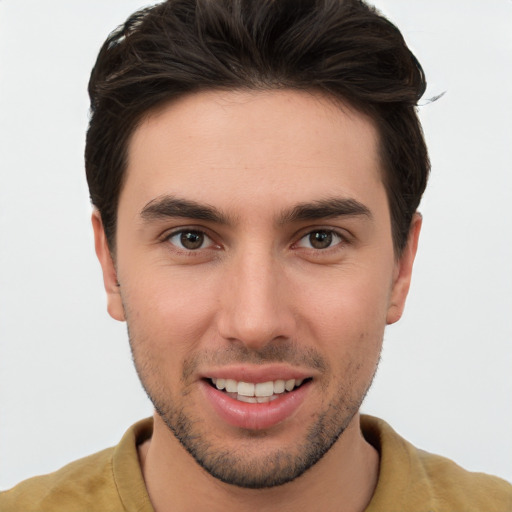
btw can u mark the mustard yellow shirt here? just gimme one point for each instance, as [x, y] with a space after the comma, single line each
[410, 480]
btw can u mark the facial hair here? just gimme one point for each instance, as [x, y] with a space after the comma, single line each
[242, 467]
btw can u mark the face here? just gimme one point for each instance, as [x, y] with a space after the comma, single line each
[256, 274]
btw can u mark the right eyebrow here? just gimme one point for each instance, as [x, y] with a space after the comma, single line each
[168, 206]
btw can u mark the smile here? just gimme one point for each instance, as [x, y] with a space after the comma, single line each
[256, 405]
[261, 392]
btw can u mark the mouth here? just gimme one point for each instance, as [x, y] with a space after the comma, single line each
[257, 393]
[257, 402]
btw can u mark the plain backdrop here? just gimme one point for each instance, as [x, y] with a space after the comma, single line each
[67, 386]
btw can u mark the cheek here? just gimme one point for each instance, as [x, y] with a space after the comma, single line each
[168, 309]
[354, 300]
[345, 319]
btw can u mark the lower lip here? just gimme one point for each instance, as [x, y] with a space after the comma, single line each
[255, 416]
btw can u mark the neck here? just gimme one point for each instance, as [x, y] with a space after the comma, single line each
[343, 480]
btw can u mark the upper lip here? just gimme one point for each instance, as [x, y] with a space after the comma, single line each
[254, 373]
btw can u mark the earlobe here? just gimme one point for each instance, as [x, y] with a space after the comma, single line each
[114, 302]
[403, 273]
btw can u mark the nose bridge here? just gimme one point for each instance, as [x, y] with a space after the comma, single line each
[254, 306]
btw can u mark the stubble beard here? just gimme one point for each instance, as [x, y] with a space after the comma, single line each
[256, 472]
[242, 468]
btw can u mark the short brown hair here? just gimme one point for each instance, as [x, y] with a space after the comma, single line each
[342, 48]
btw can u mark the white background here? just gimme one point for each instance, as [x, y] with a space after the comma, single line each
[67, 387]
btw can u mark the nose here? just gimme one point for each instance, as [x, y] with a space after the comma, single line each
[255, 300]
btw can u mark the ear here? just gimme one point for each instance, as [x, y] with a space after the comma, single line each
[114, 302]
[403, 272]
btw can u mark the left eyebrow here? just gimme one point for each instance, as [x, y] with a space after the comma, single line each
[325, 209]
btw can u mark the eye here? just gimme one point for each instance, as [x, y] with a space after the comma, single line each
[190, 240]
[320, 239]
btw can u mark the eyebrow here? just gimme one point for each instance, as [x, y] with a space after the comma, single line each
[326, 209]
[167, 206]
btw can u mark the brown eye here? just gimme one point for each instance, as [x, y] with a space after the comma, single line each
[190, 240]
[320, 239]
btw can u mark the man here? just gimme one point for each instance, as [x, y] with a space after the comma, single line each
[255, 169]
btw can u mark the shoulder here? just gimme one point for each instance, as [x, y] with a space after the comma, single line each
[110, 480]
[455, 486]
[87, 483]
[414, 479]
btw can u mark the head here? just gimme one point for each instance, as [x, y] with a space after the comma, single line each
[256, 168]
[339, 48]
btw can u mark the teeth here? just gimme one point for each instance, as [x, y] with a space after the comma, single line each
[265, 399]
[231, 386]
[264, 389]
[248, 399]
[289, 384]
[245, 388]
[261, 390]
[279, 386]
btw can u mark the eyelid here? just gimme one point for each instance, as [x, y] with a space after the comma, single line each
[167, 235]
[344, 236]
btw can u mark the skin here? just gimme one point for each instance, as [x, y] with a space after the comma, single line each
[258, 296]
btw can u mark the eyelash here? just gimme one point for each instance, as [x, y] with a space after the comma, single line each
[331, 235]
[179, 233]
[337, 239]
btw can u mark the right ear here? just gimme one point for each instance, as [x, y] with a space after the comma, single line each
[114, 302]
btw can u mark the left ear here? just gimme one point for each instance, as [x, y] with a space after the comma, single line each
[403, 272]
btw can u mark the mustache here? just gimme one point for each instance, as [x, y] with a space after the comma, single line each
[276, 352]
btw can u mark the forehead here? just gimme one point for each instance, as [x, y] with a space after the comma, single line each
[245, 147]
